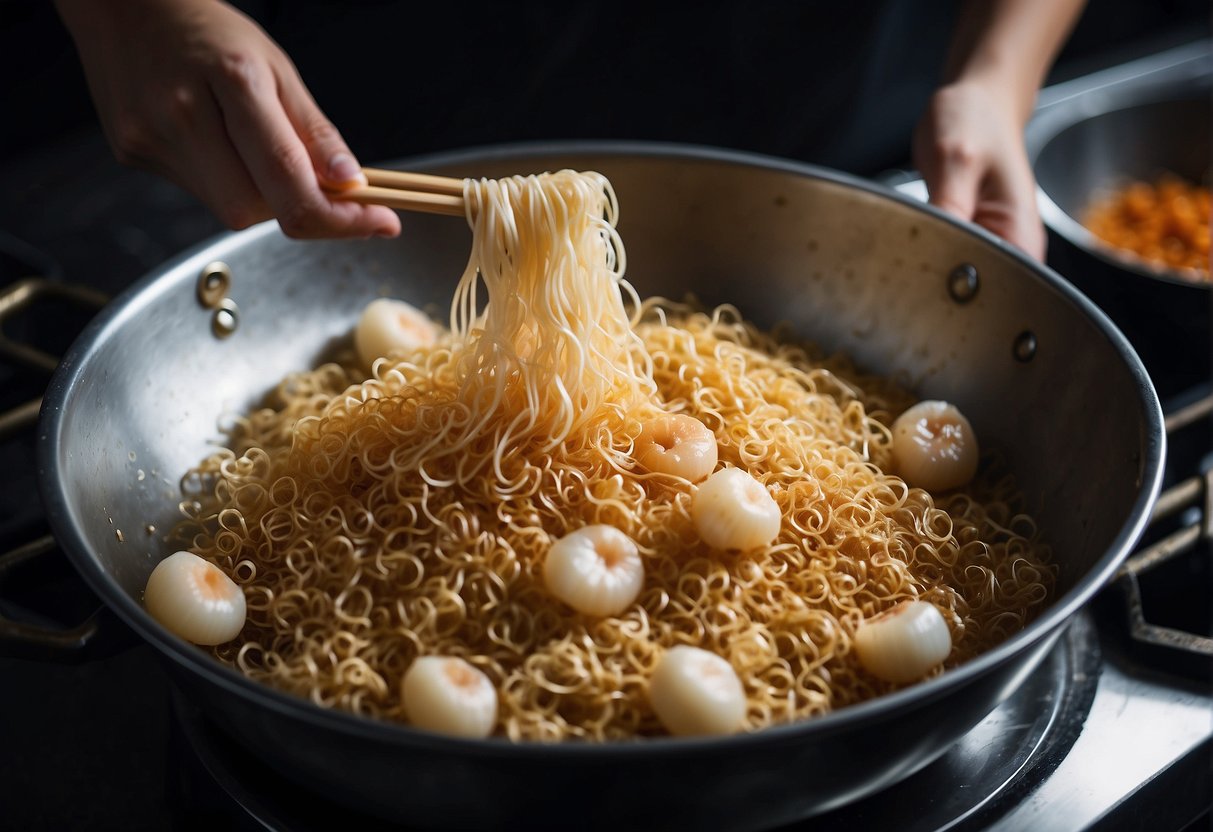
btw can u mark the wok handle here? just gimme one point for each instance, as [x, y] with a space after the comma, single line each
[96, 637]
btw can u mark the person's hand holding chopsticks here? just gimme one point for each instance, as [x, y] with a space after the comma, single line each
[195, 91]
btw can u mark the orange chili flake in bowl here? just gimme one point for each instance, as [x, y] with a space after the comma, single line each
[1165, 223]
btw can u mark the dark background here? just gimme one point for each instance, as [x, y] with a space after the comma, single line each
[839, 84]
[751, 75]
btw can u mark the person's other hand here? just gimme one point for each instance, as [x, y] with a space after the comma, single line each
[969, 148]
[195, 91]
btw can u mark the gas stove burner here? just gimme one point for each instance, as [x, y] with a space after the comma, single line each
[1165, 611]
[20, 353]
[25, 367]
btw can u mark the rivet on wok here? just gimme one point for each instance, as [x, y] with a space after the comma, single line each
[963, 283]
[213, 283]
[226, 318]
[1025, 346]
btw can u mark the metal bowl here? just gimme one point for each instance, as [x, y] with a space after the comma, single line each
[1099, 154]
[1097, 133]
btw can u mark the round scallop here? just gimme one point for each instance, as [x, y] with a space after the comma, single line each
[192, 598]
[904, 643]
[732, 510]
[390, 326]
[447, 695]
[596, 570]
[678, 445]
[935, 447]
[696, 693]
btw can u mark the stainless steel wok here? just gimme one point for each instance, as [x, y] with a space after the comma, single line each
[903, 289]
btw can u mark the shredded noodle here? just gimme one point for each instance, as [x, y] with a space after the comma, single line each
[371, 521]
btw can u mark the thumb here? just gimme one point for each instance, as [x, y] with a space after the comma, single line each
[332, 159]
[334, 163]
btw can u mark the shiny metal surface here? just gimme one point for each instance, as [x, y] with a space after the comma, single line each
[214, 283]
[1132, 122]
[1109, 765]
[1096, 132]
[974, 781]
[848, 265]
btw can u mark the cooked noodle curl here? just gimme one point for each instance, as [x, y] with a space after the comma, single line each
[371, 521]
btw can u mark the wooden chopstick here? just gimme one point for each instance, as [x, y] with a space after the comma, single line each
[408, 191]
[405, 200]
[405, 181]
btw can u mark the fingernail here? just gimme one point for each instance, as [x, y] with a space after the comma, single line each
[386, 234]
[344, 168]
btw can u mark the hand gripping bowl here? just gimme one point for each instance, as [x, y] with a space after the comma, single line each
[903, 289]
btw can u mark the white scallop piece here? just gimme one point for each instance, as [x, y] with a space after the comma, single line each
[904, 643]
[696, 693]
[192, 598]
[596, 570]
[935, 447]
[676, 444]
[447, 695]
[732, 510]
[391, 326]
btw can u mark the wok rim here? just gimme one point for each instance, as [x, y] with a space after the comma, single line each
[75, 364]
